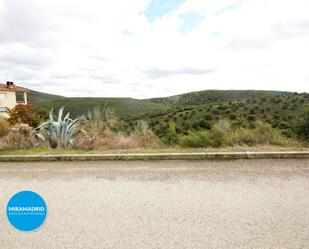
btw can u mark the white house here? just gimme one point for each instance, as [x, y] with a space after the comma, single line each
[10, 96]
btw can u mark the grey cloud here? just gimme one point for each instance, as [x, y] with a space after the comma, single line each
[22, 21]
[24, 74]
[20, 59]
[38, 24]
[31, 85]
[104, 78]
[162, 73]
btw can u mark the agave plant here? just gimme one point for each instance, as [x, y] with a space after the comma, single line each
[61, 131]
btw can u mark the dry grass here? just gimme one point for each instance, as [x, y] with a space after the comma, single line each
[4, 127]
[117, 141]
[21, 138]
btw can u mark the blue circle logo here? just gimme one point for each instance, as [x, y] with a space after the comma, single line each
[26, 211]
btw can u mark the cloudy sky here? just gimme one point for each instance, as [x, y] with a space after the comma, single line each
[148, 48]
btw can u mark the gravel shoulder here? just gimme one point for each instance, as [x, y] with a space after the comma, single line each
[162, 204]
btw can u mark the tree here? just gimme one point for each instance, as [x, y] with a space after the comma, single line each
[303, 126]
[22, 114]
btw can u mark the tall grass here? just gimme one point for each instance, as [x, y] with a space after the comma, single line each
[222, 134]
[4, 127]
[103, 131]
[21, 138]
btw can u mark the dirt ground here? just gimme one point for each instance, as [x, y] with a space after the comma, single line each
[162, 204]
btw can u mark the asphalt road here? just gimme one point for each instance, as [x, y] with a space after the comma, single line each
[168, 204]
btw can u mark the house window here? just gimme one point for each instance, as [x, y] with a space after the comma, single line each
[3, 110]
[20, 97]
[2, 96]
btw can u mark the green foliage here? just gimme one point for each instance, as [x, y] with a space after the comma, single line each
[199, 111]
[123, 107]
[211, 96]
[279, 111]
[213, 138]
[196, 139]
[222, 134]
[302, 127]
[36, 97]
[263, 133]
[208, 117]
[171, 137]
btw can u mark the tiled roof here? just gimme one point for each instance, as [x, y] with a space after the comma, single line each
[13, 88]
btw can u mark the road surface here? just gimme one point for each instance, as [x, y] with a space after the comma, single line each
[162, 204]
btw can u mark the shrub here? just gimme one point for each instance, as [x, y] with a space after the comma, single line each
[222, 107]
[208, 117]
[22, 114]
[262, 134]
[196, 125]
[221, 134]
[171, 137]
[195, 139]
[251, 118]
[302, 127]
[216, 137]
[215, 112]
[232, 116]
[243, 136]
[204, 124]
[145, 136]
[4, 127]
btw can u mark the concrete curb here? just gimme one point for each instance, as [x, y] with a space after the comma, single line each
[157, 156]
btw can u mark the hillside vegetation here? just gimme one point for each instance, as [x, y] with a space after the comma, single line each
[200, 119]
[80, 106]
[211, 96]
[36, 97]
[125, 107]
[282, 112]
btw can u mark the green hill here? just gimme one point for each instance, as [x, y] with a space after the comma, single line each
[35, 97]
[124, 107]
[196, 111]
[281, 111]
[212, 96]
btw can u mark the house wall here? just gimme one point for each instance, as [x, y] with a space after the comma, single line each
[9, 101]
[25, 98]
[4, 115]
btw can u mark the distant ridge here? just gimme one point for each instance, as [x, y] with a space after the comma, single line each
[130, 106]
[35, 97]
[208, 96]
